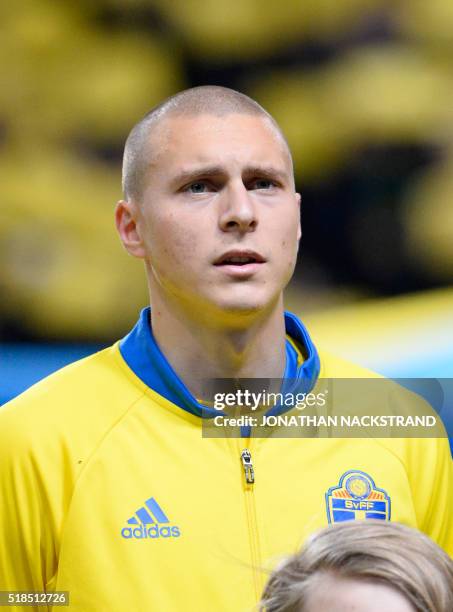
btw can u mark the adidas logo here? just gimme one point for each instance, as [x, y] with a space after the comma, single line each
[149, 523]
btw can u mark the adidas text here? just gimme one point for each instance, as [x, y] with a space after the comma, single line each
[153, 532]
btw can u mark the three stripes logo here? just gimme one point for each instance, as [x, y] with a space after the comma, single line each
[150, 521]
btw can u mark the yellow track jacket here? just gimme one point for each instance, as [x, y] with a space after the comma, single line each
[109, 491]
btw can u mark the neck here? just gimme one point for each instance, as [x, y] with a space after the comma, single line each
[199, 351]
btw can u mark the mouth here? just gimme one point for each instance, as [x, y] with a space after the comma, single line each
[239, 258]
[240, 265]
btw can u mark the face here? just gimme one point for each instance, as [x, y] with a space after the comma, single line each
[349, 595]
[218, 225]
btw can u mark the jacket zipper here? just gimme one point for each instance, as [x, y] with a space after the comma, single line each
[249, 492]
[247, 464]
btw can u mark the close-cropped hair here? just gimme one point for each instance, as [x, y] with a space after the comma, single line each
[205, 99]
[386, 553]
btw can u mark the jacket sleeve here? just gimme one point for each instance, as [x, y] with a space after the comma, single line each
[26, 549]
[431, 481]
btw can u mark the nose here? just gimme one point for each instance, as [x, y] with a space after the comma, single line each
[238, 211]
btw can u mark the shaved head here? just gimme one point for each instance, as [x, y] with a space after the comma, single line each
[208, 99]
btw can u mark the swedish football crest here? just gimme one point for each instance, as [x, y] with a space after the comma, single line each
[356, 497]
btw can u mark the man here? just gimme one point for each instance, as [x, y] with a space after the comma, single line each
[111, 492]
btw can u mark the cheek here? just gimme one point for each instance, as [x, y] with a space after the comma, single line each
[171, 243]
[289, 243]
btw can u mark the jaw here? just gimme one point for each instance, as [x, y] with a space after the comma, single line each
[232, 308]
[220, 299]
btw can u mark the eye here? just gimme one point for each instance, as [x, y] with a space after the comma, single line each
[263, 184]
[198, 187]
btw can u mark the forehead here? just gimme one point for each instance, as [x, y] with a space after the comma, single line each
[228, 140]
[328, 592]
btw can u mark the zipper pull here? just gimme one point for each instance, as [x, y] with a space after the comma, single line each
[247, 464]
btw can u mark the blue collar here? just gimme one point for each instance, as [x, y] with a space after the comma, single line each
[142, 354]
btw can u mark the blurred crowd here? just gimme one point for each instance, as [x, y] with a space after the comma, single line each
[363, 91]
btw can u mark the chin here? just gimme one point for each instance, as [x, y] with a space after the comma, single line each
[246, 305]
[241, 308]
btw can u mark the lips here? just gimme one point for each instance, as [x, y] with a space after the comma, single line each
[239, 258]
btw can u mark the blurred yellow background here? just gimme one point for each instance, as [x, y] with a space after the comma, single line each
[363, 91]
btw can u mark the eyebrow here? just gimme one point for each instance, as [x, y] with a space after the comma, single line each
[208, 171]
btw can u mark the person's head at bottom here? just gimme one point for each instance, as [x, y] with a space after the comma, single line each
[369, 566]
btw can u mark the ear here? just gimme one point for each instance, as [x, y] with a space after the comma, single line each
[127, 224]
[299, 231]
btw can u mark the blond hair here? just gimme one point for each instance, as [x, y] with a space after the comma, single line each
[386, 553]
